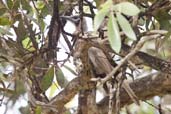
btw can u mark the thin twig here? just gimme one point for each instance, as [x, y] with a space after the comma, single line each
[127, 57]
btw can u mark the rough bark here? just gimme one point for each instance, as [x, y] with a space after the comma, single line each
[145, 88]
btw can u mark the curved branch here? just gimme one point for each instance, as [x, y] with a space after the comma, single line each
[71, 90]
[160, 81]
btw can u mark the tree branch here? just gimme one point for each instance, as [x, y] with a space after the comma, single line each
[149, 60]
[145, 88]
[71, 90]
[160, 81]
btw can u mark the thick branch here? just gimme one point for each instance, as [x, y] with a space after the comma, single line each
[145, 88]
[162, 83]
[71, 90]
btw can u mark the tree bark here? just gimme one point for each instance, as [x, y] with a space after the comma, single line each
[145, 88]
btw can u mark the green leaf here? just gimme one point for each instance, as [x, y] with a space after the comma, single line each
[16, 5]
[126, 8]
[113, 34]
[40, 4]
[47, 80]
[24, 109]
[26, 5]
[45, 11]
[2, 11]
[107, 4]
[61, 78]
[38, 110]
[126, 27]
[19, 87]
[27, 44]
[53, 88]
[99, 17]
[5, 21]
[10, 4]
[41, 24]
[164, 19]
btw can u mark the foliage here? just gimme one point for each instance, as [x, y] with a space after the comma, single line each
[125, 8]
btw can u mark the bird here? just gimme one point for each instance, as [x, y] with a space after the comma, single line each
[102, 65]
